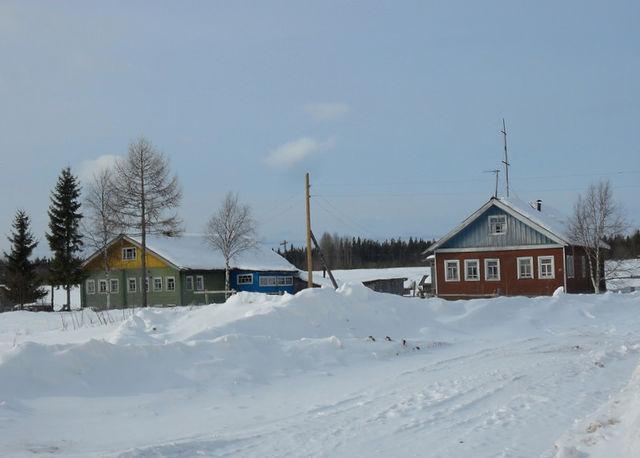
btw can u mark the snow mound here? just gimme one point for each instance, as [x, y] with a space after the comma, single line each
[613, 430]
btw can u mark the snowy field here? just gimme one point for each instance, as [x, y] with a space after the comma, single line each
[299, 376]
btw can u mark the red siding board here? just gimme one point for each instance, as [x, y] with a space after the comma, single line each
[509, 284]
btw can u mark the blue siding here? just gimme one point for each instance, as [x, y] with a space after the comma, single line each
[255, 287]
[477, 234]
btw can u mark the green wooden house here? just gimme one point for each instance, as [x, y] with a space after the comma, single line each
[181, 270]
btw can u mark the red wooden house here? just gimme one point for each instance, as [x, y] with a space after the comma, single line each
[509, 248]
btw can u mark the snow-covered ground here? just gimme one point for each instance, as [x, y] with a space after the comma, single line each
[412, 274]
[623, 275]
[299, 376]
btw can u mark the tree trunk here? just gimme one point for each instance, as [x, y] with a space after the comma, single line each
[68, 289]
[226, 280]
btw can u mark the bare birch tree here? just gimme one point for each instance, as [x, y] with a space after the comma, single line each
[232, 230]
[145, 196]
[101, 224]
[596, 217]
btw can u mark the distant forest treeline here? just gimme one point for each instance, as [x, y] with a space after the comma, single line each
[625, 247]
[346, 252]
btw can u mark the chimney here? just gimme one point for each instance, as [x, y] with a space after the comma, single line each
[539, 205]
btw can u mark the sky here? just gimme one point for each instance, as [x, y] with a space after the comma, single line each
[395, 108]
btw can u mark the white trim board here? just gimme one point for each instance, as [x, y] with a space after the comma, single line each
[494, 249]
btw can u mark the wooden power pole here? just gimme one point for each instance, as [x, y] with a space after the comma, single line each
[307, 187]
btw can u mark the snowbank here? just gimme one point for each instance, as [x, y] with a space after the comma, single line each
[613, 430]
[361, 373]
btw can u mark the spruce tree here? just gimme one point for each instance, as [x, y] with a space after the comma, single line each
[64, 235]
[21, 277]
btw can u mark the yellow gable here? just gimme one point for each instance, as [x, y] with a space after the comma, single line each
[116, 258]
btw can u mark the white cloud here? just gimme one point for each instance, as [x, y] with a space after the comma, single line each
[87, 169]
[327, 111]
[295, 151]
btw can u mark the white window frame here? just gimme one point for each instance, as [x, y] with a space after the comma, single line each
[199, 279]
[267, 280]
[189, 283]
[526, 258]
[129, 249]
[570, 266]
[91, 286]
[553, 267]
[466, 266]
[486, 269]
[244, 279]
[446, 270]
[116, 282]
[101, 282]
[493, 219]
[135, 285]
[171, 280]
[158, 290]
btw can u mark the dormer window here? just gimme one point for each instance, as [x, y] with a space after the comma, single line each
[498, 224]
[128, 254]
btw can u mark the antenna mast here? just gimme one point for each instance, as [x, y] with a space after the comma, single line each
[496, 172]
[506, 155]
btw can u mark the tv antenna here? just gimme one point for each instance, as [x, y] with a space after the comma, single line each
[496, 172]
[506, 155]
[284, 243]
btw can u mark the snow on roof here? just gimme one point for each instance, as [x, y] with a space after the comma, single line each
[548, 217]
[191, 251]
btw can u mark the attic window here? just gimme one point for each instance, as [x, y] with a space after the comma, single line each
[497, 224]
[128, 254]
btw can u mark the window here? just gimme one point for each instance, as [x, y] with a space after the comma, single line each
[497, 224]
[114, 285]
[128, 254]
[146, 284]
[132, 285]
[245, 279]
[199, 283]
[276, 280]
[157, 283]
[171, 284]
[189, 283]
[569, 266]
[525, 267]
[492, 269]
[102, 286]
[91, 286]
[452, 270]
[267, 281]
[546, 268]
[584, 266]
[471, 270]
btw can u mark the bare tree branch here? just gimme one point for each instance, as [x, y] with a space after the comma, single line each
[596, 217]
[232, 230]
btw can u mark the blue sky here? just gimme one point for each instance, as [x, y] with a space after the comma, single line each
[394, 107]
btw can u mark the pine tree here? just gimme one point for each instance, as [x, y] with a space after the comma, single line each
[21, 277]
[64, 236]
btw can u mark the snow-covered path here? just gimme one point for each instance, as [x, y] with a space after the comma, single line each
[491, 378]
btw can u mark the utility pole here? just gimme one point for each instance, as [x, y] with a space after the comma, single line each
[284, 243]
[506, 156]
[307, 187]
